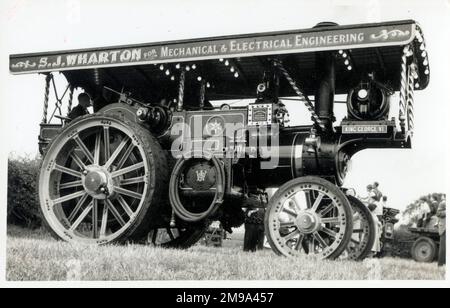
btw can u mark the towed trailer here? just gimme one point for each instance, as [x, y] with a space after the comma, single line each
[157, 162]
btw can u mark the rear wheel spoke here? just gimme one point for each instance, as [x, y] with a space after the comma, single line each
[136, 180]
[95, 218]
[125, 155]
[84, 149]
[127, 192]
[125, 206]
[68, 197]
[81, 217]
[104, 221]
[115, 213]
[106, 142]
[70, 184]
[98, 140]
[67, 171]
[78, 160]
[77, 207]
[127, 169]
[116, 152]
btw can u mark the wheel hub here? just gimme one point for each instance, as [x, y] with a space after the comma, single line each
[97, 182]
[307, 222]
[425, 251]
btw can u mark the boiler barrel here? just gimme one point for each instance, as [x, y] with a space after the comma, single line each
[295, 159]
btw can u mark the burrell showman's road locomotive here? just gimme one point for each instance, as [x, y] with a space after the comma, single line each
[164, 153]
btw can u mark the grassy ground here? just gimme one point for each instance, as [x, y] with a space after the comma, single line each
[33, 255]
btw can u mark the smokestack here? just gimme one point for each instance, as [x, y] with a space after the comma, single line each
[324, 94]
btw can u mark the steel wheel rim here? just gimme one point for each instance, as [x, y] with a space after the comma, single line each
[360, 235]
[115, 172]
[316, 227]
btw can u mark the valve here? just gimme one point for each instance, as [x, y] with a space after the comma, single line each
[312, 141]
[156, 116]
[143, 114]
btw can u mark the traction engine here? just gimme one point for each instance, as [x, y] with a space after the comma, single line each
[165, 153]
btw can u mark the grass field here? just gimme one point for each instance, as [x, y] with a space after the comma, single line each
[33, 255]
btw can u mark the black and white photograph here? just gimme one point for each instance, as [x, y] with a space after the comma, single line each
[215, 144]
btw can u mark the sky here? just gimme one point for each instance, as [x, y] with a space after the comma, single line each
[45, 25]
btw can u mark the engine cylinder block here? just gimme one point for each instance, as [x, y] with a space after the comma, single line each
[297, 159]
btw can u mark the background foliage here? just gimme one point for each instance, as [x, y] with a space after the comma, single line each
[409, 214]
[23, 203]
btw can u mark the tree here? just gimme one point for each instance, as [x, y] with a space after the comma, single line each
[410, 213]
[23, 204]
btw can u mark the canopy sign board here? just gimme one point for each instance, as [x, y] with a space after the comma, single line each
[328, 38]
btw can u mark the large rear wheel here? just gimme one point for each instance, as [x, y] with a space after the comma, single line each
[101, 180]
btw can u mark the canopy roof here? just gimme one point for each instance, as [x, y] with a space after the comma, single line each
[232, 66]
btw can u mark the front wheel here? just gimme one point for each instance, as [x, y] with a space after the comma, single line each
[101, 180]
[364, 232]
[309, 216]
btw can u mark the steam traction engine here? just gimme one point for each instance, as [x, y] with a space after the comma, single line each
[165, 152]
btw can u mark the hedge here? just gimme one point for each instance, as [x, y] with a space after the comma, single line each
[23, 202]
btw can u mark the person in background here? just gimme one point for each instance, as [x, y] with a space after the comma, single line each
[433, 206]
[376, 190]
[384, 202]
[424, 214]
[370, 198]
[380, 208]
[372, 204]
[442, 230]
[415, 216]
[84, 101]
